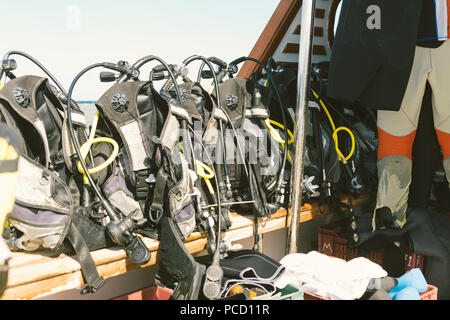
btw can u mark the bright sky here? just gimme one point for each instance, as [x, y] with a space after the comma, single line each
[67, 36]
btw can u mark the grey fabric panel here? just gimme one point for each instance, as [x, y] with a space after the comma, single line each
[115, 189]
[257, 113]
[186, 221]
[114, 183]
[126, 204]
[394, 179]
[180, 198]
[252, 127]
[220, 115]
[35, 237]
[185, 214]
[179, 111]
[196, 99]
[211, 133]
[237, 86]
[40, 218]
[170, 132]
[78, 118]
[29, 113]
[33, 190]
[179, 195]
[134, 141]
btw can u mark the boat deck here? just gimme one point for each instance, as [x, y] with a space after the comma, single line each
[38, 274]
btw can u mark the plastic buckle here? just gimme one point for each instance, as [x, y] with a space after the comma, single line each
[93, 288]
[155, 215]
[142, 185]
[57, 161]
[93, 211]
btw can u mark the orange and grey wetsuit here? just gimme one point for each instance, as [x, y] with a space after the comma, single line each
[397, 129]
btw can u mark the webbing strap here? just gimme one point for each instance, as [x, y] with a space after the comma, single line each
[158, 194]
[88, 268]
[142, 188]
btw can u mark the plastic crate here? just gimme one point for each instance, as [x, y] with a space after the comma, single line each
[332, 244]
[413, 260]
[430, 294]
[150, 293]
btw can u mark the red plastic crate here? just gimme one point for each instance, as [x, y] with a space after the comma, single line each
[413, 260]
[332, 244]
[150, 293]
[430, 294]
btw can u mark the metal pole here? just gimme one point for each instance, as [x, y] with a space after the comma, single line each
[304, 64]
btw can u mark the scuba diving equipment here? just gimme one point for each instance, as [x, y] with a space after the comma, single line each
[120, 229]
[10, 146]
[257, 194]
[352, 182]
[248, 269]
[155, 167]
[213, 274]
[47, 199]
[266, 79]
[239, 93]
[333, 163]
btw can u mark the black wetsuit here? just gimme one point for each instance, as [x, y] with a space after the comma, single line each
[372, 66]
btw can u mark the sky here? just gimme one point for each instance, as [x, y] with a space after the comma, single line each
[67, 36]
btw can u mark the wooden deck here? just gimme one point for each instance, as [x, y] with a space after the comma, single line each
[37, 274]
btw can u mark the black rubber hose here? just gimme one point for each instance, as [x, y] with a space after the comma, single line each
[223, 65]
[105, 204]
[23, 54]
[216, 256]
[216, 84]
[283, 164]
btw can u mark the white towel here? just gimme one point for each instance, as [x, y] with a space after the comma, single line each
[329, 277]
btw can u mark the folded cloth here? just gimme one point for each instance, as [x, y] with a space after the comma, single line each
[413, 278]
[408, 293]
[329, 277]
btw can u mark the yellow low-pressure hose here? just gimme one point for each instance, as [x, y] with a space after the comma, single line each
[84, 150]
[341, 157]
[276, 136]
[206, 173]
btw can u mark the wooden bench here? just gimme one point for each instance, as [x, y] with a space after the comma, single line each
[37, 274]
